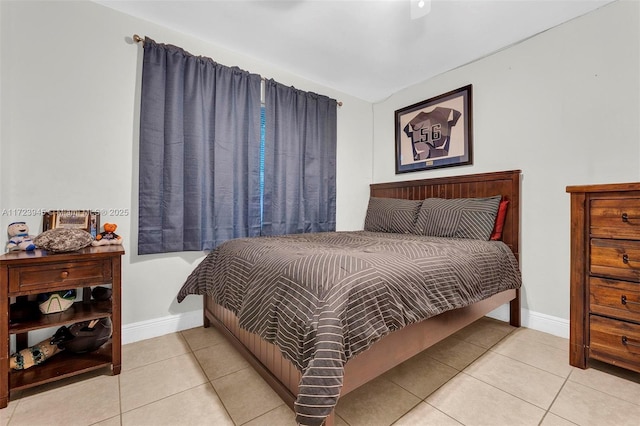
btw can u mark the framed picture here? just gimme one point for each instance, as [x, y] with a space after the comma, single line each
[435, 133]
[80, 219]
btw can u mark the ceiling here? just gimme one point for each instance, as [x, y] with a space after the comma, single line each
[369, 49]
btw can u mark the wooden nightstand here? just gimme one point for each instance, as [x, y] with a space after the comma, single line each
[29, 273]
[605, 275]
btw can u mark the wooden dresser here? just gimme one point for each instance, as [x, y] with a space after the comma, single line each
[605, 275]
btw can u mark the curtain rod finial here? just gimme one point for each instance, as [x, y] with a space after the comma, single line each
[137, 38]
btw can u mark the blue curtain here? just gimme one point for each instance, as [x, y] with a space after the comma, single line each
[199, 152]
[300, 161]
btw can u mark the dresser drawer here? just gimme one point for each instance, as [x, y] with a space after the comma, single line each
[615, 342]
[615, 259]
[58, 276]
[613, 298]
[615, 218]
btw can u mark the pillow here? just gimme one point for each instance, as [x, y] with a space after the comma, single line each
[496, 234]
[63, 239]
[391, 215]
[471, 218]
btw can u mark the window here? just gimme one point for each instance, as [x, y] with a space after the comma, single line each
[217, 163]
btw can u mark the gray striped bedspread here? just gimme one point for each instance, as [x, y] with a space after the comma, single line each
[324, 298]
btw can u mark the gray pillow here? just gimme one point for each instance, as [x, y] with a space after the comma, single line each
[391, 215]
[471, 218]
[63, 239]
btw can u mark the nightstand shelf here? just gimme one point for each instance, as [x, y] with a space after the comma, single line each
[80, 311]
[61, 366]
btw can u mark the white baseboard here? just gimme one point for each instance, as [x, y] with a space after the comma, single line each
[170, 324]
[160, 326]
[536, 321]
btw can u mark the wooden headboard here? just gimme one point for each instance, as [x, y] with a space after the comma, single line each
[505, 183]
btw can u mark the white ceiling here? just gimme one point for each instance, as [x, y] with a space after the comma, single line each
[367, 48]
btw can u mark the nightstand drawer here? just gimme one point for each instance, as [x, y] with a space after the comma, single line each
[615, 342]
[57, 276]
[616, 218]
[615, 259]
[613, 298]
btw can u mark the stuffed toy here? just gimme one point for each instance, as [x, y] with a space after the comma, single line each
[108, 236]
[34, 355]
[19, 238]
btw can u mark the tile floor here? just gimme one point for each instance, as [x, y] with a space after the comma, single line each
[487, 374]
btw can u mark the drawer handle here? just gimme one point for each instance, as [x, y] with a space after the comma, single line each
[624, 301]
[64, 274]
[625, 217]
[626, 342]
[626, 259]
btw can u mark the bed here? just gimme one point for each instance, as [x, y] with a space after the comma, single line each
[316, 333]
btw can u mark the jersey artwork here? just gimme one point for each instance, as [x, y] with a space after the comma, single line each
[430, 132]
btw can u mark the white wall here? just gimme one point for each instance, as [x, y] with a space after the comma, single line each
[70, 76]
[564, 107]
